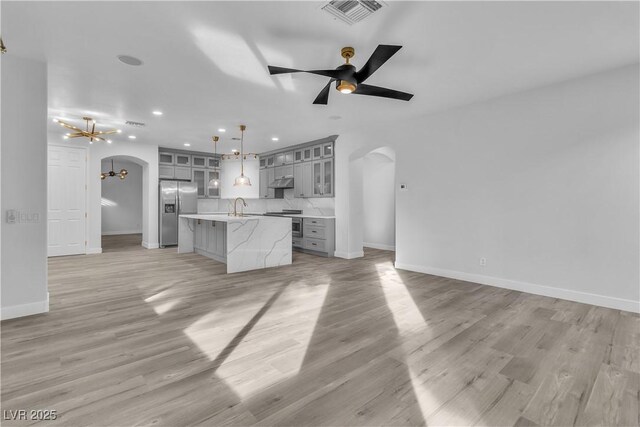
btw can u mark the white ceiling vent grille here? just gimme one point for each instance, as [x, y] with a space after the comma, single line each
[135, 124]
[352, 11]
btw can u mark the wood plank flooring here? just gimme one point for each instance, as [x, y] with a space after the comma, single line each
[152, 337]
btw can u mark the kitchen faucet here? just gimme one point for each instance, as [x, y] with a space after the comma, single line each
[235, 206]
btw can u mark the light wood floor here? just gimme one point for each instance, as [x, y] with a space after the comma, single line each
[142, 337]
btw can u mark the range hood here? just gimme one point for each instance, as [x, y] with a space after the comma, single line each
[282, 182]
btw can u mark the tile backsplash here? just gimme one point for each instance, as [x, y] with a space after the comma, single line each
[315, 206]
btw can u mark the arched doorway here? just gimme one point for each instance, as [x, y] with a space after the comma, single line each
[121, 204]
[378, 196]
[351, 204]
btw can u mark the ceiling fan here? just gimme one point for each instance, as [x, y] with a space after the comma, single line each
[91, 134]
[348, 80]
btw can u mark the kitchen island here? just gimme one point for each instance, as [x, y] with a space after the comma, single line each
[242, 242]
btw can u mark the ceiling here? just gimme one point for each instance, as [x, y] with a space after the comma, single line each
[205, 62]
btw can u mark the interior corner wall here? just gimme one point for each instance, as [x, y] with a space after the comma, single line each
[23, 277]
[122, 199]
[543, 184]
[379, 202]
[146, 155]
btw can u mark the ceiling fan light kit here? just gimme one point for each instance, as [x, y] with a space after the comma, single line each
[349, 79]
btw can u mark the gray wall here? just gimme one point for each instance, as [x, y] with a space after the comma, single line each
[23, 288]
[122, 199]
[544, 184]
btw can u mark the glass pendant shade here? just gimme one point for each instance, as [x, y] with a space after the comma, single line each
[242, 180]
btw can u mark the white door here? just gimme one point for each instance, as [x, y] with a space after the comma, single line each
[66, 198]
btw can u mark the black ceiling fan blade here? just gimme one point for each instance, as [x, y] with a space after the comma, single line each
[334, 74]
[383, 92]
[381, 55]
[323, 96]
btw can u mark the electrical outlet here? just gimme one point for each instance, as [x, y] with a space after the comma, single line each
[483, 261]
[403, 187]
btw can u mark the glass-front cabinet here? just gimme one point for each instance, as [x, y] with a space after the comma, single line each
[166, 158]
[199, 178]
[198, 161]
[212, 192]
[213, 162]
[183, 159]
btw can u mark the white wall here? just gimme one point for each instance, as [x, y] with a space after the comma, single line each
[23, 278]
[379, 201]
[122, 198]
[146, 155]
[544, 184]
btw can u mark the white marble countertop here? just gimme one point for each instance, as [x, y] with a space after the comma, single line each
[285, 215]
[226, 217]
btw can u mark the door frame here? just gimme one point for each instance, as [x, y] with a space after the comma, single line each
[86, 193]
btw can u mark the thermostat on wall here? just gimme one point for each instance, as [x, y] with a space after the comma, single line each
[403, 187]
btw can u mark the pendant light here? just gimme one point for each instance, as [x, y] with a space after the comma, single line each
[215, 182]
[122, 174]
[242, 180]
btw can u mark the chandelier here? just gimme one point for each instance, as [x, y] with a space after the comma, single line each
[91, 134]
[122, 174]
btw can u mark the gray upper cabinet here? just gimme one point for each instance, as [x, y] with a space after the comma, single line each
[267, 176]
[270, 161]
[199, 178]
[183, 160]
[166, 158]
[198, 161]
[327, 149]
[182, 173]
[288, 157]
[297, 156]
[307, 154]
[213, 162]
[212, 192]
[327, 178]
[263, 162]
[303, 179]
[199, 168]
[280, 159]
[167, 172]
[317, 152]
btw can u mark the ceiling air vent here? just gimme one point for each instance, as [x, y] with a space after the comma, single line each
[135, 124]
[352, 11]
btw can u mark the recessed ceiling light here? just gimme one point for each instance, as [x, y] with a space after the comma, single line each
[119, 131]
[157, 113]
[56, 120]
[65, 137]
[222, 130]
[275, 138]
[109, 141]
[129, 60]
[186, 144]
[132, 137]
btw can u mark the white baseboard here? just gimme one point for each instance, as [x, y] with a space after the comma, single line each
[547, 291]
[94, 251]
[117, 233]
[22, 310]
[150, 245]
[379, 246]
[349, 255]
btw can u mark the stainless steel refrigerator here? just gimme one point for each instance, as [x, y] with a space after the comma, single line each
[176, 198]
